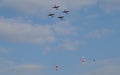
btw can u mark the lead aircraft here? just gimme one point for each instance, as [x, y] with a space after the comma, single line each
[56, 7]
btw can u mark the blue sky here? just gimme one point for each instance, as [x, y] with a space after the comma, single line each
[32, 43]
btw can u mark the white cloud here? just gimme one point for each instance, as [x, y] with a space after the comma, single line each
[109, 66]
[15, 31]
[112, 69]
[65, 28]
[27, 67]
[24, 69]
[98, 33]
[65, 44]
[71, 45]
[13, 68]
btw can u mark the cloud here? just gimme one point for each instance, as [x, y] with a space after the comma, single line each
[65, 32]
[65, 28]
[110, 5]
[13, 68]
[16, 68]
[109, 70]
[4, 50]
[18, 31]
[71, 44]
[41, 6]
[112, 69]
[26, 6]
[98, 33]
[24, 69]
[109, 66]
[65, 45]
[15, 31]
[27, 67]
[78, 4]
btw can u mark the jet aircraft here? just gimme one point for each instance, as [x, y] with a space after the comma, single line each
[61, 17]
[51, 14]
[56, 7]
[66, 11]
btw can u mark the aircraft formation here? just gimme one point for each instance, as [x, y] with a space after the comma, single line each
[61, 16]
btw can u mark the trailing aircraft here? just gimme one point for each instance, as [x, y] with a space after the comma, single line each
[61, 17]
[51, 14]
[66, 11]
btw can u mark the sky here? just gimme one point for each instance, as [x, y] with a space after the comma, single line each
[33, 43]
